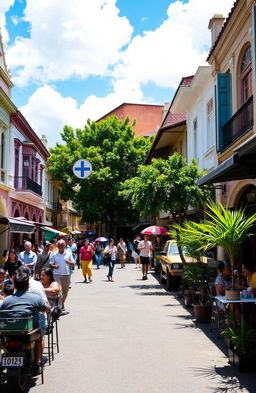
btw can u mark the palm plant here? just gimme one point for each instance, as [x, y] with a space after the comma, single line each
[226, 228]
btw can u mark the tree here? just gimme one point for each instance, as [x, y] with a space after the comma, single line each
[166, 185]
[114, 152]
[225, 228]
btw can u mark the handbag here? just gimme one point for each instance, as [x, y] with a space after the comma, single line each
[106, 259]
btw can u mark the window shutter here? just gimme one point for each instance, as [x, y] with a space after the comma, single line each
[224, 102]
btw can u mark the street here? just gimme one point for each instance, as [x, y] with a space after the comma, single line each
[132, 336]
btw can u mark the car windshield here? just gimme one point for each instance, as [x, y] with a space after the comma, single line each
[173, 249]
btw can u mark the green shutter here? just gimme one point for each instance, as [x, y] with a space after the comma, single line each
[224, 103]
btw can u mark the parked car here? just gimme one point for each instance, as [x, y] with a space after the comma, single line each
[170, 264]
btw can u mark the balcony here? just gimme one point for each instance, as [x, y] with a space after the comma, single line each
[23, 183]
[238, 125]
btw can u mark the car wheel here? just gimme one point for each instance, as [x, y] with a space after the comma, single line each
[162, 280]
[169, 281]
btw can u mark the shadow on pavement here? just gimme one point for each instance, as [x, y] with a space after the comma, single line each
[228, 378]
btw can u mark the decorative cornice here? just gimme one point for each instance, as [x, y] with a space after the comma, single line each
[5, 78]
[17, 143]
[6, 102]
[27, 131]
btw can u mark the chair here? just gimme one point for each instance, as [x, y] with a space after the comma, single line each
[218, 315]
[52, 326]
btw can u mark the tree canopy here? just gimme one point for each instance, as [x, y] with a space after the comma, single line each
[166, 185]
[114, 152]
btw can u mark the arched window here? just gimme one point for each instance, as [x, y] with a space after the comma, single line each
[246, 75]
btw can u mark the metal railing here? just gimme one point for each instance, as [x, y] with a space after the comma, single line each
[238, 125]
[24, 183]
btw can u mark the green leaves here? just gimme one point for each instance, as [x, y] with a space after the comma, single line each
[225, 228]
[168, 185]
[115, 154]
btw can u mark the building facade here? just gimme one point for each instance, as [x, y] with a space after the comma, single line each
[148, 117]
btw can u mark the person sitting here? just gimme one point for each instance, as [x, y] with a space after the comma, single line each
[250, 275]
[7, 291]
[222, 282]
[22, 299]
[2, 280]
[51, 287]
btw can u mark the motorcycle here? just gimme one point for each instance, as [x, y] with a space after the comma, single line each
[17, 351]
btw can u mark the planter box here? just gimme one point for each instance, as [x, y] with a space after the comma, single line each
[245, 363]
[188, 301]
[203, 314]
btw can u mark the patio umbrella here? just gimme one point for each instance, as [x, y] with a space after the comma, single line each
[154, 230]
[101, 239]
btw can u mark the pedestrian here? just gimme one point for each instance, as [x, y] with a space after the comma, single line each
[12, 263]
[86, 258]
[79, 246]
[60, 263]
[122, 250]
[44, 259]
[136, 252]
[110, 255]
[98, 254]
[28, 257]
[145, 247]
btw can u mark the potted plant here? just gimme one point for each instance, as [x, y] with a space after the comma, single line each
[242, 347]
[196, 274]
[188, 297]
[226, 228]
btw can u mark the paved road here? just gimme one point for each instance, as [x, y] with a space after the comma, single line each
[131, 336]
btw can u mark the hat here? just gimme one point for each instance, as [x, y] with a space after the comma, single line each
[46, 243]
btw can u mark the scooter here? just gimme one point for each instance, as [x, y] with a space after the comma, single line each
[17, 358]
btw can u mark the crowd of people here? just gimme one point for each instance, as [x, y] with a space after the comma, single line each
[38, 278]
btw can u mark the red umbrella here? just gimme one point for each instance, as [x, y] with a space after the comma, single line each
[154, 230]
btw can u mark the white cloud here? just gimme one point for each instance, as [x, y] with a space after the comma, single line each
[176, 48]
[48, 111]
[5, 5]
[74, 37]
[67, 38]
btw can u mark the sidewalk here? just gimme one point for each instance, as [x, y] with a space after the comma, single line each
[131, 336]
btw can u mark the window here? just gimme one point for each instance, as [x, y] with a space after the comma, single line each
[2, 161]
[209, 137]
[246, 76]
[195, 137]
[26, 166]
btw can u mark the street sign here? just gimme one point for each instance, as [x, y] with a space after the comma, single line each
[82, 169]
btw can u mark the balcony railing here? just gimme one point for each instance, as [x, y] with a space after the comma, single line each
[23, 183]
[238, 125]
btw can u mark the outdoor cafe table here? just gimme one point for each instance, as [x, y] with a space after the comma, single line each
[241, 301]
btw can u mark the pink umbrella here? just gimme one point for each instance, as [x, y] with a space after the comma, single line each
[154, 230]
[101, 239]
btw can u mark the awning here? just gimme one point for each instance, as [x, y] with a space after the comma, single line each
[241, 165]
[52, 230]
[17, 226]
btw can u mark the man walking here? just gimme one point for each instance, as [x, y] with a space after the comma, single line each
[44, 259]
[28, 257]
[145, 247]
[60, 263]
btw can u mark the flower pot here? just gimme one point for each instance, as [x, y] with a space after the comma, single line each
[203, 314]
[232, 294]
[188, 301]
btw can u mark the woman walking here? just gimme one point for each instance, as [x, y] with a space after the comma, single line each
[98, 254]
[110, 253]
[86, 257]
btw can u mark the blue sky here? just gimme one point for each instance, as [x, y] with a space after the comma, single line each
[77, 59]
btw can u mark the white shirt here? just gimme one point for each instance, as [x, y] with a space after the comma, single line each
[37, 288]
[59, 259]
[145, 252]
[114, 251]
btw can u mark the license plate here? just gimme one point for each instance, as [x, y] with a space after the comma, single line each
[12, 361]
